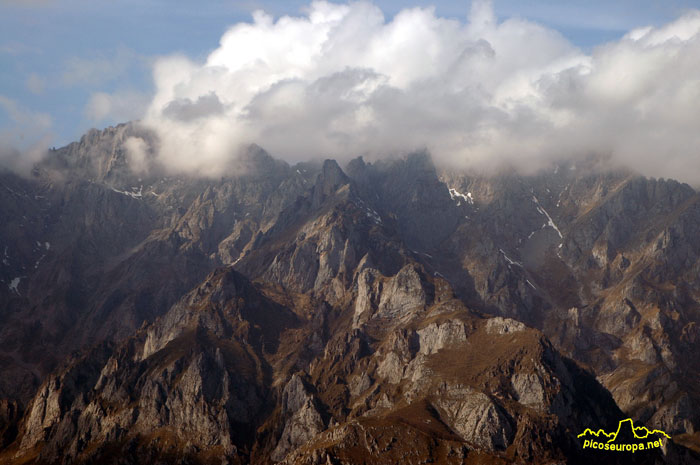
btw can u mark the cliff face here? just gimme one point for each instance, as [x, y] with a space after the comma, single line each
[228, 372]
[309, 314]
[91, 250]
[608, 277]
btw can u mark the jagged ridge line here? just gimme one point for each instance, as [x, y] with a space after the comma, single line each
[595, 433]
[635, 429]
[656, 431]
[619, 425]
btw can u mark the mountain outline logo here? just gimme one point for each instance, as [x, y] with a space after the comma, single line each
[627, 437]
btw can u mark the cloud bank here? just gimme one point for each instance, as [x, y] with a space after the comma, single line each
[342, 80]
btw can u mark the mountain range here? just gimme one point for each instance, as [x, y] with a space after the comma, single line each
[382, 312]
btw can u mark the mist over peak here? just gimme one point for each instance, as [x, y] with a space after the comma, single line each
[343, 80]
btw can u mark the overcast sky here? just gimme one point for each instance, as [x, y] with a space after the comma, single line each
[67, 66]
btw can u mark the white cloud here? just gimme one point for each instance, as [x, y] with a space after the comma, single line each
[343, 81]
[115, 107]
[25, 141]
[137, 154]
[187, 110]
[24, 117]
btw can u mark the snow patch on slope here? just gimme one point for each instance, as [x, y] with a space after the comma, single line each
[509, 260]
[136, 194]
[542, 211]
[459, 197]
[14, 284]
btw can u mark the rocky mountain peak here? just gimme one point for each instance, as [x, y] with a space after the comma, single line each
[328, 181]
[304, 314]
[255, 162]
